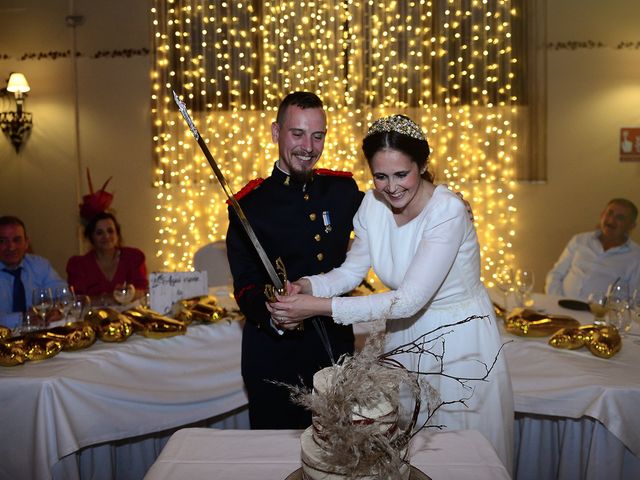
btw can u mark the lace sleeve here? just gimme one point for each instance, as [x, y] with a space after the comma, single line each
[431, 264]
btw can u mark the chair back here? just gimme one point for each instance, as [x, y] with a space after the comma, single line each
[212, 258]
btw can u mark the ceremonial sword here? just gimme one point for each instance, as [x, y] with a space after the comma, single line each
[277, 281]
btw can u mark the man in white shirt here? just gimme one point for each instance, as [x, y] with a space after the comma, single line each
[20, 272]
[592, 261]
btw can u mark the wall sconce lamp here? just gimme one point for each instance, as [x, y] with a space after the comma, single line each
[16, 125]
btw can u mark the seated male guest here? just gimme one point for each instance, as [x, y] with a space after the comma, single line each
[108, 263]
[20, 272]
[593, 260]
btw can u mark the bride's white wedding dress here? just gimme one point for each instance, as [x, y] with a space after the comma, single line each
[432, 266]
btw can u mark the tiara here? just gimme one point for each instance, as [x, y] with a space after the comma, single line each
[396, 123]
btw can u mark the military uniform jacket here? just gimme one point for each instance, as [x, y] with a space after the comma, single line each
[308, 226]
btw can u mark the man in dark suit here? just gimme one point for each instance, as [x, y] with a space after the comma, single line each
[303, 216]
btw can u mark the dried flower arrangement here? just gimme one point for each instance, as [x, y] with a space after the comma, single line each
[369, 377]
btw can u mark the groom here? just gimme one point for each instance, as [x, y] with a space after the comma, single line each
[303, 216]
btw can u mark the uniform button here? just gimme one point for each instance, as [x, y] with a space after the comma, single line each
[317, 237]
[320, 256]
[312, 216]
[306, 196]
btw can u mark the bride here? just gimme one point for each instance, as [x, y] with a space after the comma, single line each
[422, 245]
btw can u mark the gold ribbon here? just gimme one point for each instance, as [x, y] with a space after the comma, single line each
[602, 341]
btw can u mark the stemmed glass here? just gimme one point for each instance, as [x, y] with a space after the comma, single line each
[524, 284]
[124, 293]
[618, 306]
[28, 324]
[634, 309]
[64, 299]
[80, 307]
[504, 282]
[42, 302]
[598, 306]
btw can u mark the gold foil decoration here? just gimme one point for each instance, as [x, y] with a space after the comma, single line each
[11, 355]
[4, 332]
[153, 325]
[499, 310]
[109, 324]
[34, 347]
[72, 336]
[529, 323]
[602, 341]
[200, 309]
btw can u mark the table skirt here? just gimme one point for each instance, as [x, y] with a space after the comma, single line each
[568, 449]
[129, 459]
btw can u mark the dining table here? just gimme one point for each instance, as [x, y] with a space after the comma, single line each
[204, 454]
[106, 411]
[576, 413]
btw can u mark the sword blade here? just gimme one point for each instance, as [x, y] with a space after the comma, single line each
[275, 279]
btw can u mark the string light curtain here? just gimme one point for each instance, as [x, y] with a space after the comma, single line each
[448, 64]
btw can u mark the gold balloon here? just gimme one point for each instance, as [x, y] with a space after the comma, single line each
[606, 342]
[34, 347]
[4, 332]
[11, 355]
[200, 309]
[529, 323]
[109, 324]
[568, 338]
[151, 324]
[602, 341]
[72, 336]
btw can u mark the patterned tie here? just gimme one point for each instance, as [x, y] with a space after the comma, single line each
[19, 299]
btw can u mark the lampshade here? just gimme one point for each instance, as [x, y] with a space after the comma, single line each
[18, 83]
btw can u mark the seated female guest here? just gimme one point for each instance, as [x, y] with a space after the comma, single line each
[108, 263]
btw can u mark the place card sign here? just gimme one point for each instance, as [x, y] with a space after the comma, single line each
[166, 288]
[630, 144]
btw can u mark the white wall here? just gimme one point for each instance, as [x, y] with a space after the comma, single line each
[591, 94]
[39, 184]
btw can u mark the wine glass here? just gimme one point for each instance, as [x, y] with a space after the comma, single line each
[64, 299]
[504, 282]
[42, 301]
[618, 306]
[145, 299]
[598, 306]
[30, 323]
[124, 293]
[80, 306]
[524, 284]
[634, 309]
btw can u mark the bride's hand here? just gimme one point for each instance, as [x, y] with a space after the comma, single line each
[295, 308]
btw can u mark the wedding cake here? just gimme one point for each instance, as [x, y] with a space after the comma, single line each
[352, 437]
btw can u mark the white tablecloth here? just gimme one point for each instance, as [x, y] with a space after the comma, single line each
[53, 408]
[204, 454]
[558, 393]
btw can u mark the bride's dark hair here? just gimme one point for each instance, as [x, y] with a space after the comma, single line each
[416, 149]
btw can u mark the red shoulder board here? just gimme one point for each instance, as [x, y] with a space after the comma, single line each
[252, 185]
[333, 173]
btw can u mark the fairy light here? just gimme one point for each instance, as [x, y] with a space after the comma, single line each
[448, 64]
